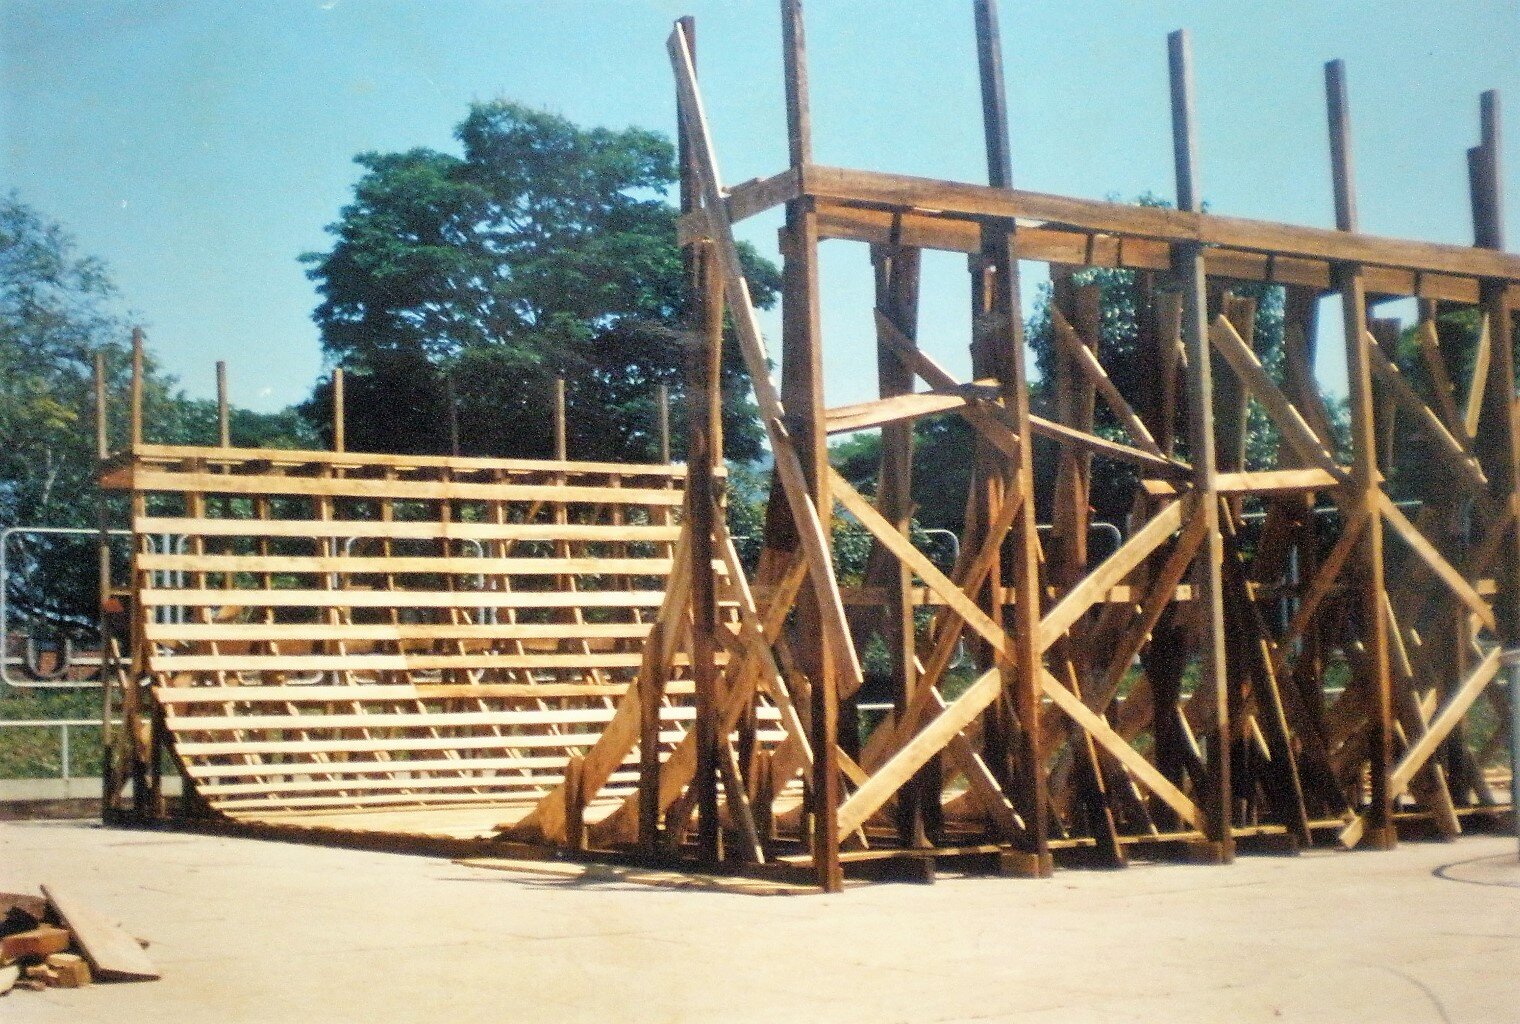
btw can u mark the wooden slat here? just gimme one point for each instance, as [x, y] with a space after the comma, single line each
[176, 696]
[1464, 462]
[1076, 602]
[403, 530]
[739, 202]
[407, 720]
[1440, 727]
[249, 632]
[915, 753]
[416, 490]
[1075, 348]
[216, 456]
[113, 954]
[420, 787]
[294, 662]
[1257, 482]
[246, 770]
[355, 745]
[404, 565]
[277, 598]
[1103, 447]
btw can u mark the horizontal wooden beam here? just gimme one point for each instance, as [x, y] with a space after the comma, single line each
[287, 457]
[273, 485]
[1083, 248]
[982, 201]
[845, 419]
[176, 696]
[405, 565]
[740, 201]
[394, 529]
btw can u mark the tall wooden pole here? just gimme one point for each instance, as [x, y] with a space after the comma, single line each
[102, 433]
[1499, 442]
[103, 592]
[662, 412]
[223, 409]
[702, 460]
[802, 396]
[1208, 592]
[1366, 480]
[561, 443]
[136, 432]
[997, 351]
[339, 415]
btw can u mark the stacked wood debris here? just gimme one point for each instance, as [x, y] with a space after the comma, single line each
[57, 941]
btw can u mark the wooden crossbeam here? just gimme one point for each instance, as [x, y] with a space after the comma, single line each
[1465, 464]
[1176, 226]
[1158, 529]
[1076, 349]
[986, 417]
[1296, 432]
[1140, 546]
[1440, 727]
[895, 409]
[1472, 409]
[1444, 570]
[916, 752]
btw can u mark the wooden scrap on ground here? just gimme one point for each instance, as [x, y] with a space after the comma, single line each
[112, 953]
[70, 970]
[42, 941]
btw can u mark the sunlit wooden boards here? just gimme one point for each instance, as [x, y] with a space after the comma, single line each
[338, 630]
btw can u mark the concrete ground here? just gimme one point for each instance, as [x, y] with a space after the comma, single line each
[259, 931]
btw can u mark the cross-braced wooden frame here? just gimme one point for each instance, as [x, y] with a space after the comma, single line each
[1282, 648]
[1182, 687]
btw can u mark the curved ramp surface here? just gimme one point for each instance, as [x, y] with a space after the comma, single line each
[331, 632]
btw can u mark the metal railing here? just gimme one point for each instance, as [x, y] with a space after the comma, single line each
[63, 725]
[5, 659]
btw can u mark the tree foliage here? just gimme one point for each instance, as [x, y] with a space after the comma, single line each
[543, 250]
[58, 308]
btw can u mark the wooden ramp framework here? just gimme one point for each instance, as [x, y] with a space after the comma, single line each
[1278, 651]
[328, 633]
[1292, 645]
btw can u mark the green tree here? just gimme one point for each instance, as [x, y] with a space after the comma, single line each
[543, 250]
[58, 308]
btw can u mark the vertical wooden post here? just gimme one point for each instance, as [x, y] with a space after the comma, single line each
[997, 350]
[1499, 443]
[662, 412]
[1366, 480]
[103, 592]
[1187, 262]
[560, 443]
[897, 282]
[339, 416]
[702, 460]
[102, 433]
[138, 738]
[223, 409]
[136, 432]
[802, 396]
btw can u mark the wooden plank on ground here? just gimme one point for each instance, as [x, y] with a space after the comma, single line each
[113, 954]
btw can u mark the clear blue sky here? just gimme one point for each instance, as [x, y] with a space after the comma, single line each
[200, 146]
